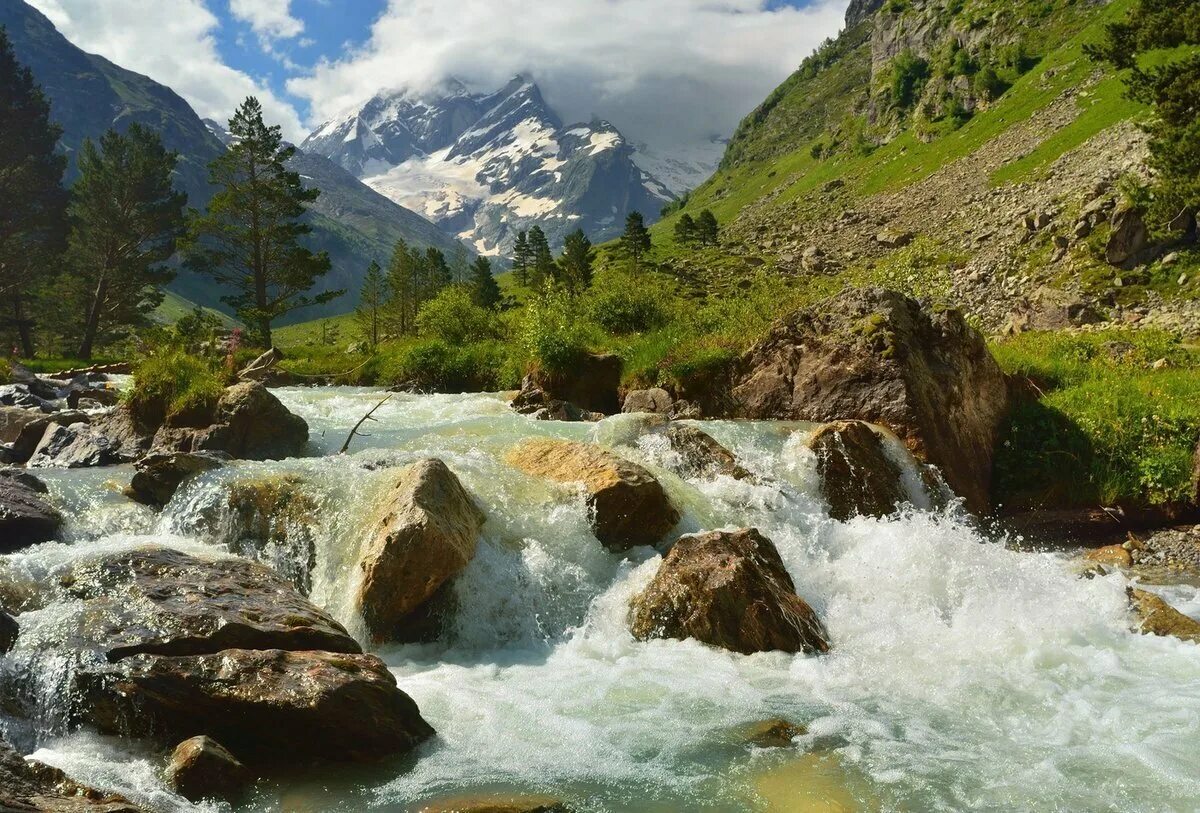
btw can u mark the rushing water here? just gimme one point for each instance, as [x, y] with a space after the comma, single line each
[963, 676]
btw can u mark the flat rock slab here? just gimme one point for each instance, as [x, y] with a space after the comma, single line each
[26, 516]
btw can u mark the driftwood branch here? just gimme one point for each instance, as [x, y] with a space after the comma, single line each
[363, 420]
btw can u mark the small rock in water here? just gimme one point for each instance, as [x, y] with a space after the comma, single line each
[857, 475]
[8, 632]
[201, 768]
[1115, 555]
[1160, 618]
[159, 475]
[772, 733]
[26, 517]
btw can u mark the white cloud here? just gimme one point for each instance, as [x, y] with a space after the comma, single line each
[171, 42]
[664, 71]
[270, 19]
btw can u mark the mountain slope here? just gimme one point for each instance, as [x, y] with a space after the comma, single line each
[487, 165]
[89, 95]
[967, 152]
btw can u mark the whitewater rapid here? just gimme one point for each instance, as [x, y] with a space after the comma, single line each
[964, 675]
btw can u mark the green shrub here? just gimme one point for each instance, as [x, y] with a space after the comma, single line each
[909, 73]
[625, 307]
[432, 365]
[453, 317]
[174, 383]
[551, 334]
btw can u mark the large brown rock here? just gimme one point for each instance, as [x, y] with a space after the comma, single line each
[591, 385]
[249, 423]
[424, 534]
[202, 768]
[1128, 238]
[268, 705]
[31, 787]
[857, 476]
[877, 356]
[655, 401]
[728, 589]
[628, 507]
[1157, 617]
[26, 517]
[702, 455]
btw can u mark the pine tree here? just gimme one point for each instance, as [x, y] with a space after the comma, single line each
[369, 313]
[576, 262]
[434, 275]
[32, 199]
[400, 304]
[521, 259]
[541, 260]
[685, 230]
[636, 240]
[125, 219]
[708, 231]
[249, 239]
[1171, 84]
[485, 291]
[460, 264]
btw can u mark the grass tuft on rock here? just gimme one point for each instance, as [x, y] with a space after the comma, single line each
[174, 383]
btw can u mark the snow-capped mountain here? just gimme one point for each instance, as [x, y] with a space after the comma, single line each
[488, 165]
[683, 167]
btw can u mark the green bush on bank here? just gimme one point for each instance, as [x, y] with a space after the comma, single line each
[1108, 428]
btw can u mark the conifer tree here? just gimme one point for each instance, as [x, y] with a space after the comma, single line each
[369, 313]
[400, 305]
[1171, 85]
[685, 230]
[521, 259]
[485, 291]
[32, 199]
[249, 239]
[636, 240]
[460, 264]
[434, 275]
[576, 262]
[708, 231]
[125, 219]
[541, 263]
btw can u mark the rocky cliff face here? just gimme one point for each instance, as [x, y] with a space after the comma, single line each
[485, 166]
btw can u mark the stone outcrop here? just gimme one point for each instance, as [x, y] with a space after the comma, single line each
[656, 401]
[1128, 238]
[26, 517]
[249, 423]
[775, 733]
[22, 429]
[857, 475]
[875, 355]
[31, 787]
[424, 534]
[74, 447]
[170, 646]
[627, 506]
[202, 768]
[159, 475]
[701, 455]
[591, 386]
[495, 803]
[731, 590]
[1157, 617]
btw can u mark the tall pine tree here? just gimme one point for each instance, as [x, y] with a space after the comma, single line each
[32, 200]
[369, 314]
[125, 219]
[576, 262]
[485, 291]
[400, 307]
[685, 230]
[708, 231]
[521, 258]
[541, 260]
[636, 240]
[249, 239]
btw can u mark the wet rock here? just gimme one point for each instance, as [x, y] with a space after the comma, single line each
[1157, 617]
[627, 506]
[268, 705]
[9, 629]
[159, 475]
[423, 535]
[21, 429]
[74, 447]
[125, 432]
[657, 401]
[495, 803]
[249, 423]
[775, 733]
[701, 455]
[31, 787]
[875, 355]
[26, 518]
[201, 768]
[591, 384]
[731, 590]
[273, 520]
[1113, 555]
[857, 475]
[1129, 236]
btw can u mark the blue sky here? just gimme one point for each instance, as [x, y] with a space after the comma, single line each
[668, 73]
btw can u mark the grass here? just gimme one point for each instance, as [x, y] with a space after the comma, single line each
[1109, 428]
[175, 385]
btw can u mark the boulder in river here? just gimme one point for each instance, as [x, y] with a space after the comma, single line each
[9, 630]
[591, 385]
[774, 733]
[202, 768]
[171, 646]
[26, 518]
[249, 423]
[423, 535]
[495, 803]
[27, 786]
[1157, 617]
[731, 590]
[627, 506]
[656, 401]
[701, 455]
[878, 356]
[857, 475]
[159, 475]
[74, 447]
[21, 429]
